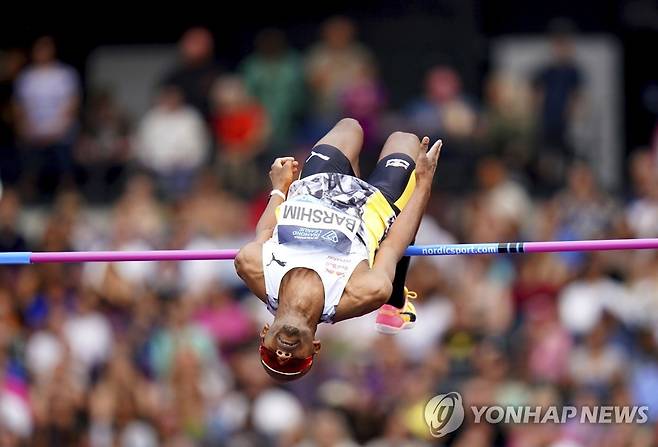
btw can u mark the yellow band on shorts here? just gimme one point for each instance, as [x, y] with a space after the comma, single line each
[379, 215]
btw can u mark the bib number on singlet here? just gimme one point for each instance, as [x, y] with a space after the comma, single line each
[311, 224]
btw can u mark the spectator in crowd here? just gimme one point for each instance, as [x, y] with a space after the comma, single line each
[136, 225]
[47, 96]
[224, 319]
[172, 141]
[443, 110]
[502, 203]
[486, 305]
[121, 405]
[395, 433]
[333, 64]
[178, 334]
[328, 429]
[644, 374]
[586, 300]
[139, 205]
[642, 299]
[241, 129]
[103, 148]
[507, 121]
[539, 279]
[558, 86]
[16, 419]
[57, 405]
[550, 346]
[197, 69]
[11, 238]
[642, 211]
[586, 212]
[558, 89]
[88, 336]
[364, 99]
[274, 76]
[11, 63]
[597, 363]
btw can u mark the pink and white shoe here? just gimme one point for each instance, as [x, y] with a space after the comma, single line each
[391, 320]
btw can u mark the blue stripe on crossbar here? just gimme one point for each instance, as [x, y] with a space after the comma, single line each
[15, 257]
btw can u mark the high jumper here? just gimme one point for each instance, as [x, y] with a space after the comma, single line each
[330, 246]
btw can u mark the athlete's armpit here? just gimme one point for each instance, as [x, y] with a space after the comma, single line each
[249, 267]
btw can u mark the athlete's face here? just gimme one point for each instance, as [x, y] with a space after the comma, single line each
[289, 342]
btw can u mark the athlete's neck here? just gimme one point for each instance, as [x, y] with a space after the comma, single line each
[301, 297]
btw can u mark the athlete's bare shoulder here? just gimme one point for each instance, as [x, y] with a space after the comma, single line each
[249, 266]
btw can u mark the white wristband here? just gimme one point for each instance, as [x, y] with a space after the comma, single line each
[278, 192]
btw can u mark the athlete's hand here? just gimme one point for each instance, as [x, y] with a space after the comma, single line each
[426, 162]
[283, 172]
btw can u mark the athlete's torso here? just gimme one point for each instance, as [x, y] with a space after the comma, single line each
[328, 224]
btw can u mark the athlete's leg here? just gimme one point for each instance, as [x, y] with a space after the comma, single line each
[395, 178]
[342, 143]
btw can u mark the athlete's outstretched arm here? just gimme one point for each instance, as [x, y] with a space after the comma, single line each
[403, 231]
[248, 262]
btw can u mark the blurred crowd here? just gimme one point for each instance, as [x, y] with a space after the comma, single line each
[164, 354]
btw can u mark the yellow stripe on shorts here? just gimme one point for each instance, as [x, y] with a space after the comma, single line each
[378, 216]
[401, 202]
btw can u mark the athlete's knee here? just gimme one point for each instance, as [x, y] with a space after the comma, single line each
[350, 125]
[405, 137]
[404, 142]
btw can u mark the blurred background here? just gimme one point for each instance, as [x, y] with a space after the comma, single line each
[127, 130]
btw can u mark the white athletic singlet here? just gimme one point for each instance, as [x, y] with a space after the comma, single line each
[321, 227]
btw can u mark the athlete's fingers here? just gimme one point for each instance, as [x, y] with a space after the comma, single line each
[424, 144]
[281, 160]
[434, 153]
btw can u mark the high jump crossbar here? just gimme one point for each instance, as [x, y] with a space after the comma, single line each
[26, 257]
